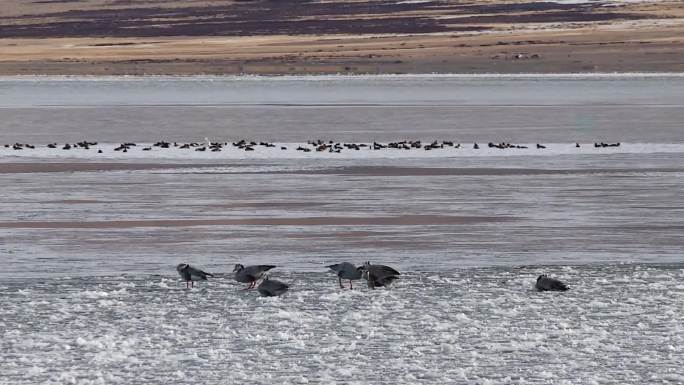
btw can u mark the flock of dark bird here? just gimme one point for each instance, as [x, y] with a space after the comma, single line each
[374, 275]
[311, 145]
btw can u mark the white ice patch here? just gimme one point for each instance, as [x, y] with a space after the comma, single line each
[325, 78]
[319, 333]
[265, 153]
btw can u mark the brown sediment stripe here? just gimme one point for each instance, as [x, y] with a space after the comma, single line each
[44, 167]
[494, 171]
[267, 205]
[239, 205]
[40, 167]
[403, 220]
[78, 202]
[345, 234]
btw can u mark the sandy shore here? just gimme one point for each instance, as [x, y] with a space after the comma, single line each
[530, 52]
[475, 37]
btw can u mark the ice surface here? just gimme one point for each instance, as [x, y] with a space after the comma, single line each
[529, 108]
[291, 152]
[89, 293]
[617, 324]
[440, 212]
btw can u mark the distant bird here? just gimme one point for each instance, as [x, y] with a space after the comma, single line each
[346, 270]
[379, 275]
[272, 288]
[191, 274]
[544, 283]
[250, 274]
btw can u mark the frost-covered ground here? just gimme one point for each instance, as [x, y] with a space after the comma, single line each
[618, 324]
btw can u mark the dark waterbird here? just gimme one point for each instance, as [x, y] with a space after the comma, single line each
[346, 270]
[544, 283]
[272, 288]
[379, 275]
[191, 274]
[250, 274]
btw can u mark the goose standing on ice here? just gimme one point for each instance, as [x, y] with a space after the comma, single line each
[190, 274]
[250, 274]
[346, 270]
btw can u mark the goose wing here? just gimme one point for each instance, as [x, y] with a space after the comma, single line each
[197, 274]
[381, 271]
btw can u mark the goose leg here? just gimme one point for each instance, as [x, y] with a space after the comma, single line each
[339, 279]
[351, 287]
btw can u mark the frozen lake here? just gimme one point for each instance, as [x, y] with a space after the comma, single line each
[522, 109]
[434, 213]
[89, 241]
[618, 324]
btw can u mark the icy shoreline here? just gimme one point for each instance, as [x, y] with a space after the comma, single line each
[314, 77]
[201, 151]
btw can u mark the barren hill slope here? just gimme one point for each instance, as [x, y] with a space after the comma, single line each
[300, 36]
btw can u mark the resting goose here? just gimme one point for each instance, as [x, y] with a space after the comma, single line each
[544, 283]
[272, 288]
